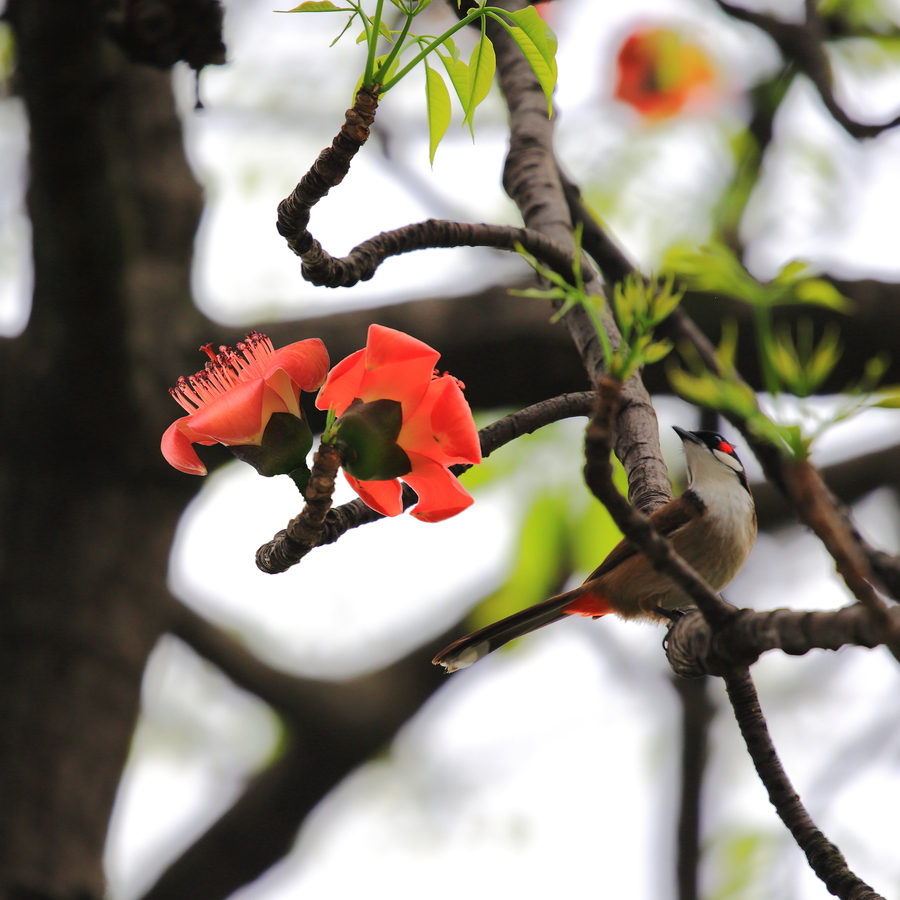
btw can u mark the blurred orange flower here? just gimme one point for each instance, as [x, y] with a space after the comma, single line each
[659, 72]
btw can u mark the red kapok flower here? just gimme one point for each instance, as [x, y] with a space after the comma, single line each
[394, 381]
[232, 399]
[659, 72]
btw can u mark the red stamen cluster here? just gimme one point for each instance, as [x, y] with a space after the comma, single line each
[225, 370]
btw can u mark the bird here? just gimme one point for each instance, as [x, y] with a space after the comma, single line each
[712, 525]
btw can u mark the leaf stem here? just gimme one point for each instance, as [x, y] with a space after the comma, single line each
[372, 38]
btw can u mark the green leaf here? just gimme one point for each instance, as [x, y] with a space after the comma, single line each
[315, 6]
[657, 351]
[892, 401]
[437, 99]
[482, 64]
[817, 292]
[538, 45]
[536, 570]
[458, 73]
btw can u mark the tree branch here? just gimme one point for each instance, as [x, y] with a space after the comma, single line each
[531, 178]
[322, 269]
[825, 859]
[289, 546]
[332, 728]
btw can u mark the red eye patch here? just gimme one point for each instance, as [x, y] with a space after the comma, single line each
[725, 447]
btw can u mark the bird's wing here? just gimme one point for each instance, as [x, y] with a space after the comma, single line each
[667, 520]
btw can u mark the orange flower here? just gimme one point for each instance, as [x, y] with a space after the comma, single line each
[233, 399]
[401, 419]
[659, 72]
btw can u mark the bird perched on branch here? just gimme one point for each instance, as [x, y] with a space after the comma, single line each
[712, 525]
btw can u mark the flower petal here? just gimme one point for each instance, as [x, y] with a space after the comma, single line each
[440, 493]
[341, 386]
[178, 450]
[398, 367]
[236, 417]
[281, 384]
[382, 496]
[306, 362]
[442, 427]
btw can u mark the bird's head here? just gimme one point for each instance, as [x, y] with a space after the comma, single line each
[711, 459]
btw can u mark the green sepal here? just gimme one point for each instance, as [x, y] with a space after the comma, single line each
[283, 449]
[366, 436]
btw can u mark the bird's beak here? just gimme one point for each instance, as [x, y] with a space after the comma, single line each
[686, 435]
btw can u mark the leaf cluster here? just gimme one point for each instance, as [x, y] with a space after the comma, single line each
[791, 361]
[640, 306]
[471, 80]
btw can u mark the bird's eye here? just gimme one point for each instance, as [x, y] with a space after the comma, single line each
[725, 447]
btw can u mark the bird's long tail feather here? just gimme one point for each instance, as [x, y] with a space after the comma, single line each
[479, 643]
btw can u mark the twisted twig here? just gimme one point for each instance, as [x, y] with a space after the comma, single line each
[305, 529]
[289, 546]
[322, 269]
[327, 171]
[825, 859]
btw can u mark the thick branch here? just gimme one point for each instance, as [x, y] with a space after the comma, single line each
[694, 650]
[825, 859]
[531, 178]
[331, 729]
[289, 546]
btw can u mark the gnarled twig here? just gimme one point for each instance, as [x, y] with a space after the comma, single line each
[289, 546]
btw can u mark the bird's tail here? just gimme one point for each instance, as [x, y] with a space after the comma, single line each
[479, 643]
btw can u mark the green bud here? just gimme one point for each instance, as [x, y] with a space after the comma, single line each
[367, 440]
[285, 443]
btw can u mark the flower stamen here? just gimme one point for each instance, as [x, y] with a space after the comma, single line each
[224, 371]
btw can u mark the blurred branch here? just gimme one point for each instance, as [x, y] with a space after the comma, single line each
[291, 544]
[332, 728]
[825, 859]
[696, 714]
[802, 44]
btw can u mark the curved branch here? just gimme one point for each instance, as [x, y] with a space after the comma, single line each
[326, 172]
[802, 45]
[825, 859]
[324, 270]
[289, 546]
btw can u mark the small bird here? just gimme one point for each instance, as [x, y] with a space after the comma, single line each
[712, 525]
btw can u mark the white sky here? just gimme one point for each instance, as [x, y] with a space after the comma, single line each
[548, 769]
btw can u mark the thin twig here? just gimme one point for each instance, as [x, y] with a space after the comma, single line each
[289, 546]
[825, 859]
[326, 172]
[305, 529]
